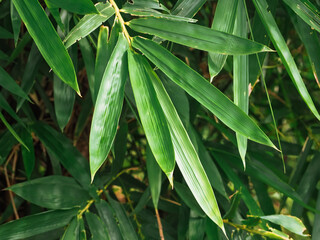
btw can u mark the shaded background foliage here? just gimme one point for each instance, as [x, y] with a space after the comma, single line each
[44, 157]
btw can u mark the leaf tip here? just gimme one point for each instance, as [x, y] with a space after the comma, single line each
[170, 178]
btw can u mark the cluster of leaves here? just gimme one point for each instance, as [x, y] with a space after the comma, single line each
[154, 83]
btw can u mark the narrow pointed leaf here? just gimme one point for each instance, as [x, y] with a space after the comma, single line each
[5, 34]
[75, 6]
[291, 223]
[187, 8]
[71, 231]
[154, 177]
[28, 155]
[199, 88]
[224, 19]
[241, 77]
[284, 53]
[47, 40]
[186, 156]
[12, 131]
[6, 106]
[151, 114]
[54, 192]
[145, 4]
[102, 58]
[9, 84]
[62, 149]
[89, 23]
[16, 22]
[196, 36]
[108, 106]
[307, 11]
[35, 224]
[97, 227]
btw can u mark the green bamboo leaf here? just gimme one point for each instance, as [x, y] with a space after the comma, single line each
[7, 141]
[151, 114]
[224, 19]
[311, 42]
[187, 8]
[102, 58]
[291, 223]
[88, 58]
[71, 231]
[28, 155]
[30, 72]
[3, 56]
[53, 192]
[241, 77]
[85, 113]
[6, 106]
[97, 227]
[156, 14]
[16, 22]
[9, 84]
[108, 106]
[12, 131]
[89, 23]
[197, 225]
[5, 34]
[196, 36]
[35, 224]
[145, 4]
[56, 15]
[284, 53]
[82, 230]
[47, 40]
[186, 156]
[154, 177]
[106, 215]
[316, 230]
[125, 224]
[209, 96]
[62, 149]
[75, 6]
[306, 11]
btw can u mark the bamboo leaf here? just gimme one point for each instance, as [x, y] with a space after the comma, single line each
[306, 11]
[28, 154]
[284, 53]
[241, 77]
[202, 91]
[108, 106]
[75, 6]
[47, 41]
[151, 114]
[97, 228]
[71, 231]
[154, 177]
[8, 83]
[224, 19]
[53, 192]
[35, 224]
[187, 8]
[89, 23]
[186, 156]
[16, 22]
[62, 149]
[196, 36]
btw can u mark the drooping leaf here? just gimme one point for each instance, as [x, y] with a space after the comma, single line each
[53, 192]
[196, 36]
[284, 53]
[108, 106]
[61, 148]
[151, 114]
[8, 83]
[35, 224]
[186, 156]
[154, 177]
[75, 6]
[97, 227]
[47, 41]
[224, 19]
[16, 22]
[306, 11]
[89, 23]
[291, 223]
[241, 77]
[201, 90]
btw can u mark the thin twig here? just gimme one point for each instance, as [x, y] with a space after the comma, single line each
[159, 224]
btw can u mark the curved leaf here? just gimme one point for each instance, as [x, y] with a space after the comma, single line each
[75, 6]
[108, 106]
[208, 95]
[47, 40]
[89, 23]
[196, 36]
[54, 192]
[151, 114]
[97, 227]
